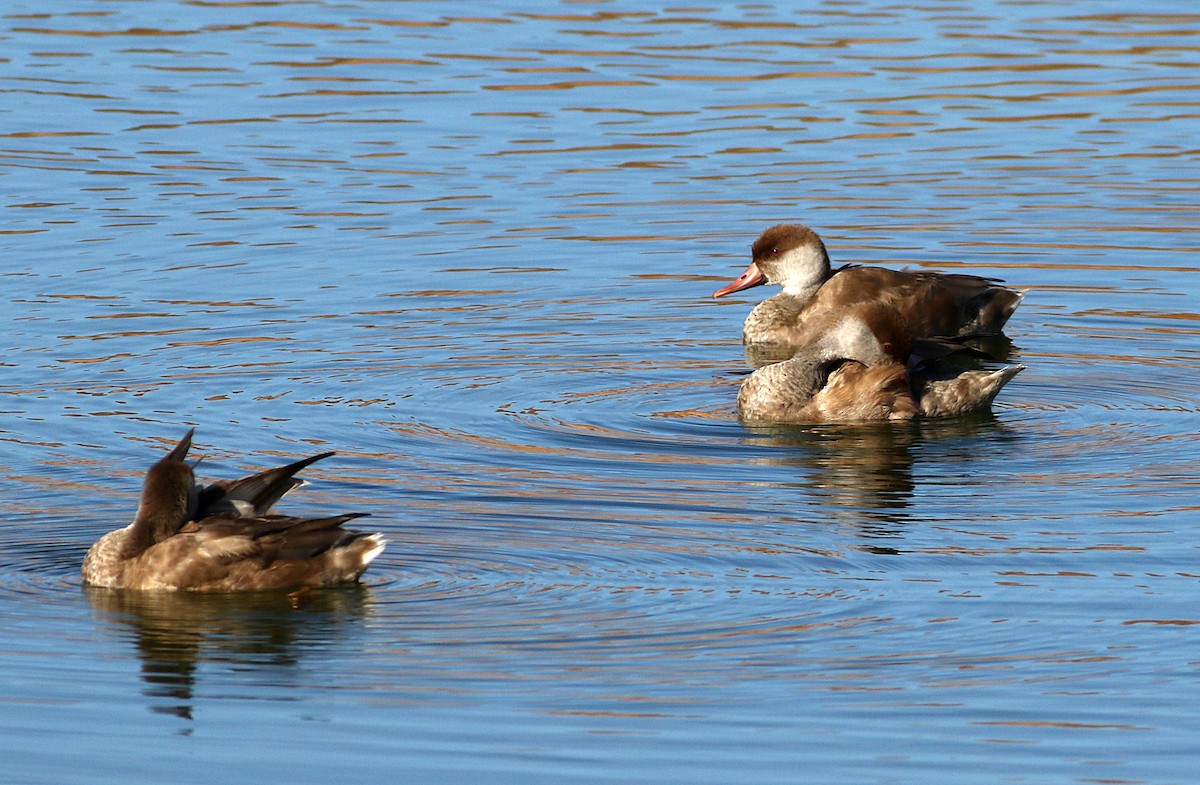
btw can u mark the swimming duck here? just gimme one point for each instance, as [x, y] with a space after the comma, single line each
[861, 366]
[224, 536]
[793, 256]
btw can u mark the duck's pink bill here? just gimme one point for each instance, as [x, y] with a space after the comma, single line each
[751, 277]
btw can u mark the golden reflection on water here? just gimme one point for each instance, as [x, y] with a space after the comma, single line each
[473, 255]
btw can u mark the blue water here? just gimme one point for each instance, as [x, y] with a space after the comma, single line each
[472, 249]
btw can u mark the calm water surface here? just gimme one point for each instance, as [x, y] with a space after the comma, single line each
[471, 247]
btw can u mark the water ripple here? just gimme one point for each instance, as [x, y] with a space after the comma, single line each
[447, 248]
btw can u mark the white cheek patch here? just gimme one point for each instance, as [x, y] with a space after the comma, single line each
[800, 270]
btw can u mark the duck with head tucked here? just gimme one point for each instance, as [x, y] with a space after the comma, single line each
[225, 537]
[860, 365]
[933, 304]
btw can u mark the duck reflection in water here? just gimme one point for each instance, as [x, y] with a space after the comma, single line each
[854, 404]
[214, 568]
[261, 634]
[863, 475]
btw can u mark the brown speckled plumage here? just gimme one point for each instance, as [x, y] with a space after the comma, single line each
[224, 536]
[858, 366]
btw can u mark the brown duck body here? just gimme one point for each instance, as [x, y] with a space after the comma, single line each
[860, 366]
[933, 304]
[806, 390]
[224, 537]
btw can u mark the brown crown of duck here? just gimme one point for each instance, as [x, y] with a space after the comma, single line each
[794, 257]
[225, 536]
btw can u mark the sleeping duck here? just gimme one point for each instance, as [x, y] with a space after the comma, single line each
[863, 364]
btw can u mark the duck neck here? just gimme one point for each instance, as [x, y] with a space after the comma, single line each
[168, 502]
[804, 290]
[140, 534]
[852, 339]
[806, 268]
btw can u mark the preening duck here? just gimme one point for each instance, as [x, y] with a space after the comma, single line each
[225, 537]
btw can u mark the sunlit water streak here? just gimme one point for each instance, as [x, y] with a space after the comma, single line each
[472, 251]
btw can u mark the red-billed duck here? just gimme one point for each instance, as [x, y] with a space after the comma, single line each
[224, 536]
[860, 366]
[933, 304]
